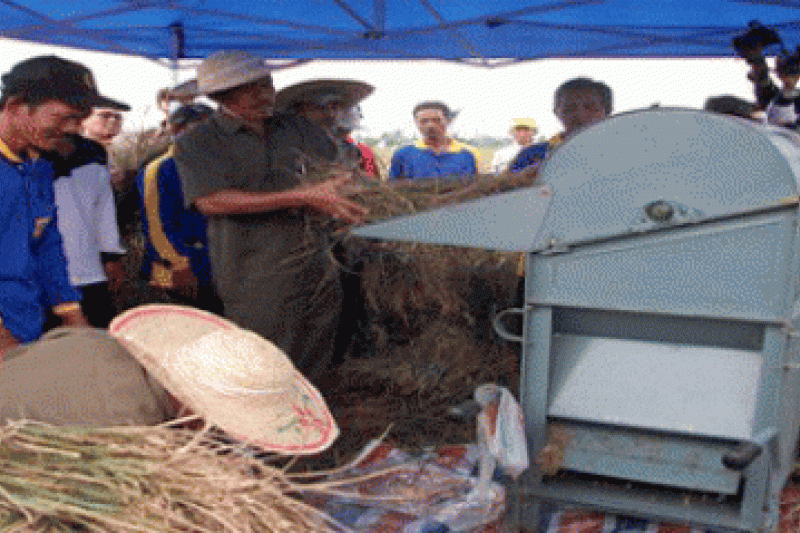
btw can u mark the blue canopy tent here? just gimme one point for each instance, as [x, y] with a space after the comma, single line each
[491, 33]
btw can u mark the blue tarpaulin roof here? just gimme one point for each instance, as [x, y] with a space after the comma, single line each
[398, 29]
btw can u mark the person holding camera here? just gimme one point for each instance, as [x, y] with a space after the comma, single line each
[781, 104]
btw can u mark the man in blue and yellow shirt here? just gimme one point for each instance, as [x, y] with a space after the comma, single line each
[67, 376]
[436, 155]
[176, 246]
[43, 100]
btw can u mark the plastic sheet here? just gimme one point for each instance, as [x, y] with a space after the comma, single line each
[438, 491]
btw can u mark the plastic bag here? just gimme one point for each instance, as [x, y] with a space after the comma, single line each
[501, 427]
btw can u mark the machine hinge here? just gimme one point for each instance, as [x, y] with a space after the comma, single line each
[554, 247]
[791, 333]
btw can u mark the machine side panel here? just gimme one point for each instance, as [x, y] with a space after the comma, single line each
[733, 270]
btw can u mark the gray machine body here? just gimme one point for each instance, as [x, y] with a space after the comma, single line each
[660, 362]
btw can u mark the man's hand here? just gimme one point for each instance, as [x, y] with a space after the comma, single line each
[7, 342]
[326, 197]
[184, 282]
[759, 73]
[74, 318]
[115, 272]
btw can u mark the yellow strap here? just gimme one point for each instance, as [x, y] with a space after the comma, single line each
[158, 236]
[453, 146]
[6, 152]
[66, 307]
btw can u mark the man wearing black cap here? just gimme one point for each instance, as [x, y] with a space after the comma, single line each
[43, 100]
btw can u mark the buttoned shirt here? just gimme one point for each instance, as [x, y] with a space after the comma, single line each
[420, 162]
[33, 268]
[223, 153]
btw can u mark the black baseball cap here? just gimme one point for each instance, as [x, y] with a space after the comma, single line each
[59, 79]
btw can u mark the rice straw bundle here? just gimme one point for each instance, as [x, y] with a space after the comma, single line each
[387, 199]
[428, 312]
[144, 479]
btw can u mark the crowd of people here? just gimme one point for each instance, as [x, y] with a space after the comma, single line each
[233, 224]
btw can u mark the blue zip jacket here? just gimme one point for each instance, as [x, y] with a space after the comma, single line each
[174, 235]
[33, 267]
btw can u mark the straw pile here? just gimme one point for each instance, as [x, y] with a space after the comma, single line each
[144, 479]
[425, 339]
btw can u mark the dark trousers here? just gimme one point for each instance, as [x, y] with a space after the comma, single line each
[96, 305]
[296, 305]
[206, 300]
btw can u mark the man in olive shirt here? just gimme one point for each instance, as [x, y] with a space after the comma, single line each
[241, 169]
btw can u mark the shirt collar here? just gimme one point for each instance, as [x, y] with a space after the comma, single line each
[453, 147]
[230, 124]
[6, 152]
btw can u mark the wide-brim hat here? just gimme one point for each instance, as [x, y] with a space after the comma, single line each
[232, 377]
[348, 92]
[229, 69]
[187, 89]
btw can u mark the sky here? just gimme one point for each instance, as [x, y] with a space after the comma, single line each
[487, 98]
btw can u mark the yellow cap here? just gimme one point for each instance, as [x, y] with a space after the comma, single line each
[523, 123]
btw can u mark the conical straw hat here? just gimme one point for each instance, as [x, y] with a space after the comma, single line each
[349, 92]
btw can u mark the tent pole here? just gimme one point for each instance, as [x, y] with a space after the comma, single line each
[379, 8]
[178, 48]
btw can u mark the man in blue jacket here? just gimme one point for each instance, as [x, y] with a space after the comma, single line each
[43, 100]
[71, 375]
[176, 253]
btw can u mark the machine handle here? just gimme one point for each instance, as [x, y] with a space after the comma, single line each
[464, 412]
[500, 328]
[741, 457]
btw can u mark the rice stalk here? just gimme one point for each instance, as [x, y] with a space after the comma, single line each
[146, 479]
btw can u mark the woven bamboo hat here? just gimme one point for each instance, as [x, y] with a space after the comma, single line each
[229, 69]
[348, 92]
[232, 377]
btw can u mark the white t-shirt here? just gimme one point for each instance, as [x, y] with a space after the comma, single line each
[87, 221]
[503, 157]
